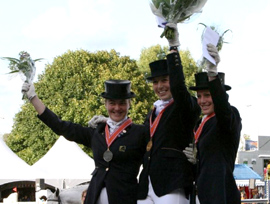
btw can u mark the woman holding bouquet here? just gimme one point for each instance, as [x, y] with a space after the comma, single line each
[217, 138]
[118, 145]
[167, 175]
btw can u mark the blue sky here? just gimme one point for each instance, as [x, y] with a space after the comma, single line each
[47, 29]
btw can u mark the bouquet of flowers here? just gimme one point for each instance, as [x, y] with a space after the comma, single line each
[219, 45]
[175, 11]
[221, 40]
[25, 66]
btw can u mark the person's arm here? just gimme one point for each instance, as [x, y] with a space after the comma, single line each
[227, 116]
[175, 68]
[189, 108]
[212, 68]
[71, 131]
[29, 91]
[39, 106]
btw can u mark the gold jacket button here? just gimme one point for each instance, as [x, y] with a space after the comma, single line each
[107, 169]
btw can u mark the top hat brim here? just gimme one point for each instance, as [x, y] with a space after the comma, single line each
[117, 96]
[158, 68]
[202, 82]
[157, 75]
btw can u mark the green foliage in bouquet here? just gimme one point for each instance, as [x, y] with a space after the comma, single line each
[175, 11]
[220, 43]
[24, 65]
[221, 40]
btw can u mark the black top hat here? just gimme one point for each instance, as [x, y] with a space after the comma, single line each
[158, 68]
[202, 81]
[117, 89]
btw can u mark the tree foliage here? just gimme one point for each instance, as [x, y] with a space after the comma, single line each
[149, 55]
[71, 87]
[157, 52]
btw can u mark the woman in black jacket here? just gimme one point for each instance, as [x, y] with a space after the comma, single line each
[217, 138]
[167, 175]
[118, 145]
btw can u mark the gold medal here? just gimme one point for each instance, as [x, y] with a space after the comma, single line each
[149, 145]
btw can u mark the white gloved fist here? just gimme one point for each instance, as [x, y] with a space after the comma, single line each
[174, 42]
[190, 154]
[28, 90]
[211, 68]
[97, 119]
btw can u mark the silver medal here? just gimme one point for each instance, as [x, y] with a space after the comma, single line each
[107, 155]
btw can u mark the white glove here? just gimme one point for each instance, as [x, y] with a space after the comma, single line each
[174, 42]
[211, 68]
[97, 119]
[28, 90]
[190, 154]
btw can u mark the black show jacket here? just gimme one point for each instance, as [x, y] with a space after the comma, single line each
[217, 148]
[119, 176]
[166, 164]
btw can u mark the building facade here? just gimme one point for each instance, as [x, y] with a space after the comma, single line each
[256, 158]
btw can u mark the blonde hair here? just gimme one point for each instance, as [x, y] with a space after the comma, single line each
[83, 195]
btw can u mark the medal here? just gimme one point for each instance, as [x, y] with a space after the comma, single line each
[153, 125]
[149, 145]
[107, 155]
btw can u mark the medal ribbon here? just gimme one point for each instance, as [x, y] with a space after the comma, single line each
[153, 126]
[110, 138]
[199, 130]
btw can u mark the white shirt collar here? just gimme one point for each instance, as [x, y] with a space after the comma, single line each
[115, 125]
[160, 104]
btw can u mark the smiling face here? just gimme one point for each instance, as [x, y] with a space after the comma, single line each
[117, 108]
[205, 101]
[161, 86]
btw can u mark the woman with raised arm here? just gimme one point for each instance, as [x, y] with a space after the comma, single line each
[167, 175]
[217, 137]
[118, 145]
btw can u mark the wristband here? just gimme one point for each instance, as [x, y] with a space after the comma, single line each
[212, 74]
[173, 48]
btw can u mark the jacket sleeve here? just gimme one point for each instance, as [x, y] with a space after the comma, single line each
[71, 131]
[189, 109]
[228, 117]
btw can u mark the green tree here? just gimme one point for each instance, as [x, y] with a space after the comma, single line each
[157, 52]
[150, 54]
[71, 87]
